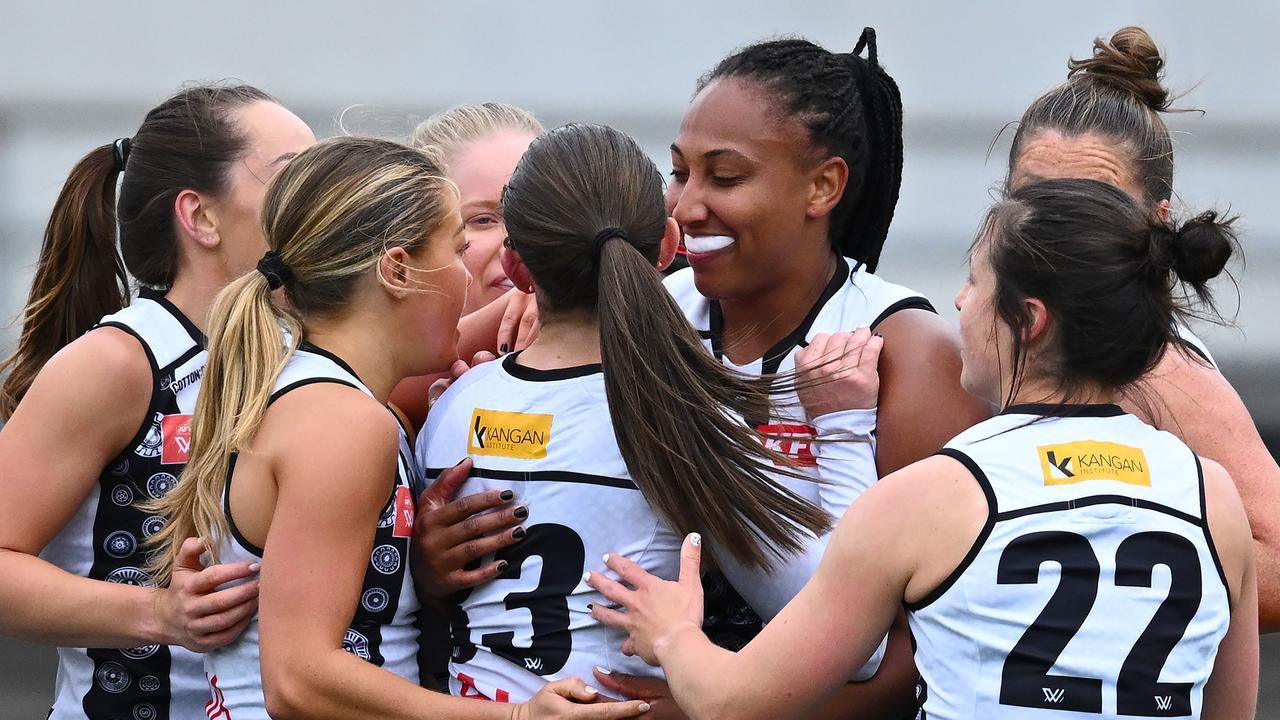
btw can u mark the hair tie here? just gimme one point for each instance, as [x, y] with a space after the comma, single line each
[867, 40]
[120, 151]
[604, 236]
[274, 269]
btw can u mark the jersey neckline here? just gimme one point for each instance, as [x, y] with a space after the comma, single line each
[772, 358]
[524, 372]
[158, 297]
[314, 349]
[1097, 410]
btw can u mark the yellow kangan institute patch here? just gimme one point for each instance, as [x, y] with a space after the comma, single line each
[509, 434]
[1093, 460]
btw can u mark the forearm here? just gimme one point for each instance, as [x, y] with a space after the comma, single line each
[846, 456]
[42, 603]
[336, 684]
[889, 695]
[479, 330]
[697, 670]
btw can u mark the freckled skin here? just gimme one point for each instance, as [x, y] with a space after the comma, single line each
[1050, 155]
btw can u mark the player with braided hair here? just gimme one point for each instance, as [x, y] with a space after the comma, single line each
[786, 173]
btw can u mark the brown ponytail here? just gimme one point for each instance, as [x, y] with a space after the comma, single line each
[189, 141]
[677, 412]
[79, 277]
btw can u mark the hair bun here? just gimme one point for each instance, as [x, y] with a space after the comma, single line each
[1129, 62]
[1201, 247]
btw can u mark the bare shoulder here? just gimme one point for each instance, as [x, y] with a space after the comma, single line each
[919, 328]
[327, 426]
[101, 383]
[925, 517]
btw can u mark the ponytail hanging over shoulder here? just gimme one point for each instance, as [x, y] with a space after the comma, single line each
[80, 276]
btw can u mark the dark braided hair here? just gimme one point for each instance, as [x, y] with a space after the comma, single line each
[852, 109]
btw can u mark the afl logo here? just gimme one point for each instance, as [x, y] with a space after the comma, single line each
[113, 678]
[386, 559]
[375, 600]
[121, 468]
[150, 446]
[120, 544]
[160, 484]
[144, 711]
[152, 525]
[130, 576]
[121, 495]
[356, 644]
[149, 683]
[141, 652]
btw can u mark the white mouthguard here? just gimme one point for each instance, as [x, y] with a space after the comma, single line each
[707, 243]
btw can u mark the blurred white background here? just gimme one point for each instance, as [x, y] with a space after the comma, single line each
[76, 75]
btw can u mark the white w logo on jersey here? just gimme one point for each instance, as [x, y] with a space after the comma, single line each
[1054, 695]
[533, 664]
[1164, 702]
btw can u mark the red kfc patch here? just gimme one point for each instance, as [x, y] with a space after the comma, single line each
[403, 527]
[793, 440]
[176, 433]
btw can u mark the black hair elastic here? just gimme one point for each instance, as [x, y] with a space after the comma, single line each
[274, 269]
[604, 236]
[120, 151]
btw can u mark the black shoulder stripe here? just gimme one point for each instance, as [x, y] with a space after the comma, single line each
[153, 406]
[1099, 500]
[978, 542]
[912, 303]
[308, 381]
[1208, 536]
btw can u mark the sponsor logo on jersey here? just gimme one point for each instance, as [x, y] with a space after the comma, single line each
[176, 432]
[1083, 460]
[182, 383]
[791, 439]
[509, 434]
[403, 526]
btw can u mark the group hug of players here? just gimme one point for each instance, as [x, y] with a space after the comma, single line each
[771, 484]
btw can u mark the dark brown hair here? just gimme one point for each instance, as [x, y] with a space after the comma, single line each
[1116, 93]
[676, 411]
[1105, 269]
[851, 108]
[187, 142]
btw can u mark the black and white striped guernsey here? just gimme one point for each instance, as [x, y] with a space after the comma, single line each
[104, 539]
[384, 630]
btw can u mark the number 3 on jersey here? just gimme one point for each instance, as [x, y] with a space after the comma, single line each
[1026, 681]
[563, 559]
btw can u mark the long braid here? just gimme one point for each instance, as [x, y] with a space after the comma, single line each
[852, 109]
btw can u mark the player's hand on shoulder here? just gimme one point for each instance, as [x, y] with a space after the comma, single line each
[194, 612]
[451, 537]
[839, 372]
[573, 699]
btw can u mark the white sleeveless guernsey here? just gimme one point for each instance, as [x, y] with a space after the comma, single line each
[547, 436]
[1094, 589]
[383, 631]
[854, 298]
[104, 539]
